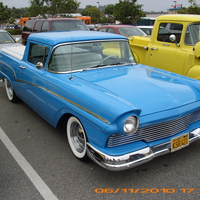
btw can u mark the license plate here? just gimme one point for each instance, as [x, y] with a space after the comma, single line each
[179, 142]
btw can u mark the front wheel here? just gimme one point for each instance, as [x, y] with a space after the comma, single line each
[10, 91]
[77, 138]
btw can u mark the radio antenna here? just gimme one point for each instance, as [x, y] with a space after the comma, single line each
[71, 59]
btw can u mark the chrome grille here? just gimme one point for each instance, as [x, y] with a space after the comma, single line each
[155, 132]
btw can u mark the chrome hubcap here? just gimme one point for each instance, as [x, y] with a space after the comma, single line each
[9, 89]
[77, 137]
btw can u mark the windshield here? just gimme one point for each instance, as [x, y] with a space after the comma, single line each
[131, 31]
[88, 55]
[192, 34]
[6, 38]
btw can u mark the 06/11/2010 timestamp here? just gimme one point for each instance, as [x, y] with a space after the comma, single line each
[146, 190]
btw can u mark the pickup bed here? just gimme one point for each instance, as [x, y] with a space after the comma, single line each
[177, 49]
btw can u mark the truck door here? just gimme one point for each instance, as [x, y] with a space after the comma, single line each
[32, 82]
[164, 53]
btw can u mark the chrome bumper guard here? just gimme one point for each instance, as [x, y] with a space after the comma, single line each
[133, 159]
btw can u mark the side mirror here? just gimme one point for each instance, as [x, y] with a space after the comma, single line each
[172, 38]
[197, 49]
[39, 65]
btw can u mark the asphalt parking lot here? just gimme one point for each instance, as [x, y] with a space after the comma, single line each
[36, 163]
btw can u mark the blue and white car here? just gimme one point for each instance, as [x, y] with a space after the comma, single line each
[117, 112]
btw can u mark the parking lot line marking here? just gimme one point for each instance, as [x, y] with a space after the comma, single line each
[40, 185]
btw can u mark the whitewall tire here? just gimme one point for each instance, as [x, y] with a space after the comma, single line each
[10, 91]
[77, 138]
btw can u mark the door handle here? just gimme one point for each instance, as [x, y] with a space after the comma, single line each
[152, 48]
[22, 67]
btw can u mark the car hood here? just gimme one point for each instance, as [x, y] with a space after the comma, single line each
[143, 87]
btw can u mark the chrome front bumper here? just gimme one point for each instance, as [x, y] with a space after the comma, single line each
[133, 159]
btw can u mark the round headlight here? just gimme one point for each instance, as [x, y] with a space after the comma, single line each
[131, 125]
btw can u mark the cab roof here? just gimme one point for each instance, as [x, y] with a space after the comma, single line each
[180, 17]
[54, 38]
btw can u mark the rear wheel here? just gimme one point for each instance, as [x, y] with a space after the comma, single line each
[77, 138]
[10, 91]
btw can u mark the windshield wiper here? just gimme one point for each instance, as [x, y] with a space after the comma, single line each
[96, 66]
[119, 63]
[103, 65]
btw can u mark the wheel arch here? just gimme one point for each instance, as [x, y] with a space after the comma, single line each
[64, 114]
[194, 72]
[91, 124]
[63, 120]
[62, 123]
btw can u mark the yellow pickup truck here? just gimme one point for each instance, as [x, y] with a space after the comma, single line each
[173, 45]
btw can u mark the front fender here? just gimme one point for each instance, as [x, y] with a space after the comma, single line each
[81, 115]
[139, 47]
[194, 72]
[95, 129]
[137, 59]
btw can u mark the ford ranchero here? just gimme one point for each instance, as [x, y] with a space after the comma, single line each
[117, 112]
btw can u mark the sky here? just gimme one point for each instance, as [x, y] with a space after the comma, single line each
[148, 5]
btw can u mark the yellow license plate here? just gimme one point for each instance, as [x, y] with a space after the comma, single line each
[179, 142]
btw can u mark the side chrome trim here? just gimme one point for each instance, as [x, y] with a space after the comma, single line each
[14, 74]
[133, 159]
[75, 104]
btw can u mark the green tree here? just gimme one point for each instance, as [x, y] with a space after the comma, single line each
[36, 8]
[71, 6]
[12, 20]
[93, 12]
[88, 6]
[5, 13]
[18, 12]
[193, 2]
[192, 9]
[52, 7]
[109, 9]
[128, 11]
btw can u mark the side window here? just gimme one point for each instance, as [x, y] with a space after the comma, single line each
[37, 26]
[170, 28]
[110, 30]
[102, 30]
[45, 26]
[192, 35]
[28, 26]
[37, 53]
